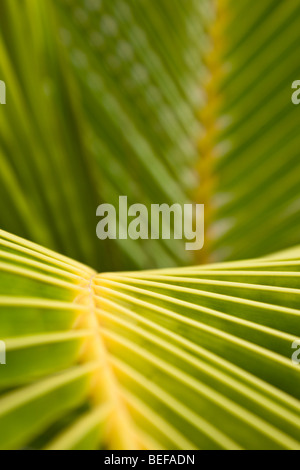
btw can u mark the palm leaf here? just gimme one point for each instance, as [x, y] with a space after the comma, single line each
[165, 102]
[72, 157]
[182, 358]
[161, 101]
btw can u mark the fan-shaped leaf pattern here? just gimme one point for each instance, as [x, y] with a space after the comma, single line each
[178, 358]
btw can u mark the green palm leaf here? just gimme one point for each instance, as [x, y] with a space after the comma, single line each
[165, 102]
[161, 101]
[182, 358]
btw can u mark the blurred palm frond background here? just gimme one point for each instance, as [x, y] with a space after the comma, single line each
[160, 101]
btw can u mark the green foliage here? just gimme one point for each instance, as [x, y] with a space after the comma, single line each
[165, 102]
[179, 358]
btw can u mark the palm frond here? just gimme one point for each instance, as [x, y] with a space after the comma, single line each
[198, 95]
[182, 358]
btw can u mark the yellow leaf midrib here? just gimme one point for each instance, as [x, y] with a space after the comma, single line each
[209, 116]
[119, 432]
